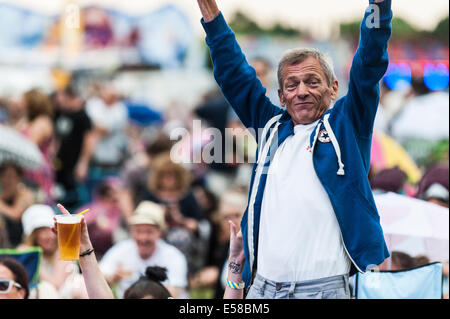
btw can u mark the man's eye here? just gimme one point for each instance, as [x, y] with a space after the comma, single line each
[291, 86]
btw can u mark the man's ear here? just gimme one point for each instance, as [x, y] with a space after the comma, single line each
[334, 90]
[281, 96]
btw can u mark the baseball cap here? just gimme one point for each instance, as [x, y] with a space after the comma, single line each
[37, 216]
[149, 213]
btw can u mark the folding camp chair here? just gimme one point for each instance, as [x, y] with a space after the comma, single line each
[424, 282]
[30, 259]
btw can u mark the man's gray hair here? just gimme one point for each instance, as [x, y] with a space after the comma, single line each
[295, 56]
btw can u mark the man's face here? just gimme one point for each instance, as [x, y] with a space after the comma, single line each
[305, 92]
[145, 237]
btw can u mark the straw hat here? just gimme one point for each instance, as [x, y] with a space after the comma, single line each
[149, 213]
[37, 216]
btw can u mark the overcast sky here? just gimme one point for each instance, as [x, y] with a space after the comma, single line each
[316, 15]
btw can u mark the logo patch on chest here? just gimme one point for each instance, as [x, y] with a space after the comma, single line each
[324, 137]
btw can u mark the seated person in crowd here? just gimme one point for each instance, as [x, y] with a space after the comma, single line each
[15, 197]
[170, 184]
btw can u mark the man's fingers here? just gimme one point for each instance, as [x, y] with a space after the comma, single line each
[232, 229]
[62, 209]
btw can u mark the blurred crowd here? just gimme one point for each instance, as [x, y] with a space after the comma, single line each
[95, 156]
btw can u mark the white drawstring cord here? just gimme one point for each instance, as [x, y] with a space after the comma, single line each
[335, 143]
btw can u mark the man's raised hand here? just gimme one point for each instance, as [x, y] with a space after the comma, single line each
[208, 9]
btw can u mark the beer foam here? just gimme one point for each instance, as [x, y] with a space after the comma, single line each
[68, 219]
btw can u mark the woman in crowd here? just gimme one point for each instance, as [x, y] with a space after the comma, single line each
[15, 197]
[13, 280]
[38, 127]
[149, 286]
[169, 184]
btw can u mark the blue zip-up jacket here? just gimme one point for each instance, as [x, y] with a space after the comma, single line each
[342, 165]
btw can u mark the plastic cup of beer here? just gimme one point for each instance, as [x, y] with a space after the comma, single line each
[69, 234]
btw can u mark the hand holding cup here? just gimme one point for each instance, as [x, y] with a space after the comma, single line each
[79, 237]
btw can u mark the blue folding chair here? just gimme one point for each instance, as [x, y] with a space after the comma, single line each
[424, 282]
[30, 259]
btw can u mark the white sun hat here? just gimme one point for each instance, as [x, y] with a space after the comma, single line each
[37, 216]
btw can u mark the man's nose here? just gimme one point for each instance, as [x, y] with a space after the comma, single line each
[302, 90]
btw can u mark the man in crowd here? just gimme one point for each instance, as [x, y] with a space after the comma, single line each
[127, 260]
[310, 221]
[76, 144]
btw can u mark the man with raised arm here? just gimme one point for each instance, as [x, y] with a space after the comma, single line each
[311, 219]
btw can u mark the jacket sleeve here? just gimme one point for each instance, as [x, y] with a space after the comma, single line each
[368, 68]
[236, 78]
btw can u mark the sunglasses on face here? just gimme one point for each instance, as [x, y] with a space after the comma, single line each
[7, 284]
